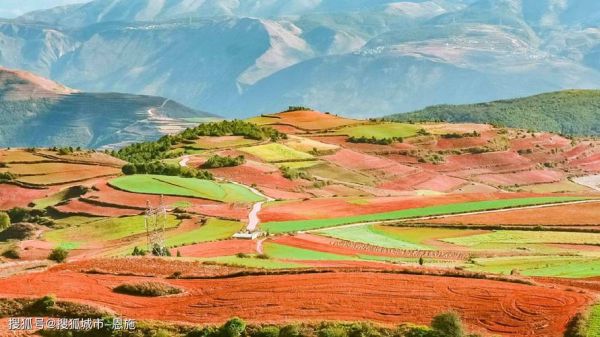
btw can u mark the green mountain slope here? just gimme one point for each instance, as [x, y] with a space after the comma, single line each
[570, 112]
[36, 112]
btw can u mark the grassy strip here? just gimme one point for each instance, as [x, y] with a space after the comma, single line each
[212, 230]
[47, 306]
[467, 207]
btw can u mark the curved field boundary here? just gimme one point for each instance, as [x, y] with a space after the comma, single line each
[461, 208]
[184, 187]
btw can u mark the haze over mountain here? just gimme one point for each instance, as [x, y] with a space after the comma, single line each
[356, 57]
[35, 111]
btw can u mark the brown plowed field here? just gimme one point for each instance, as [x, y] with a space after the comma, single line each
[77, 206]
[16, 196]
[218, 248]
[501, 308]
[587, 214]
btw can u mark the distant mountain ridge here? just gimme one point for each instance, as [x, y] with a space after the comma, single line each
[355, 57]
[570, 112]
[36, 112]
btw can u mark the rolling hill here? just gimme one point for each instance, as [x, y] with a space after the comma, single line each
[570, 112]
[35, 111]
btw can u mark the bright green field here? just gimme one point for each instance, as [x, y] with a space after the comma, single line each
[284, 252]
[185, 187]
[302, 225]
[275, 152]
[593, 327]
[497, 239]
[555, 266]
[102, 230]
[368, 234]
[381, 130]
[214, 229]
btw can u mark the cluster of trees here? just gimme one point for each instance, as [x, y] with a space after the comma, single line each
[373, 140]
[161, 149]
[161, 168]
[37, 216]
[292, 173]
[461, 135]
[297, 108]
[232, 128]
[217, 161]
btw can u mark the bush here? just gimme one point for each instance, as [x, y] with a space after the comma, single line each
[59, 255]
[448, 325]
[291, 330]
[577, 326]
[333, 331]
[12, 253]
[4, 221]
[235, 327]
[138, 251]
[147, 289]
[217, 161]
[44, 304]
[268, 331]
[6, 176]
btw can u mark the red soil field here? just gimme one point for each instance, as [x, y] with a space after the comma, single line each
[425, 180]
[339, 207]
[16, 196]
[218, 248]
[144, 266]
[564, 215]
[465, 142]
[77, 206]
[362, 147]
[506, 309]
[521, 178]
[360, 161]
[249, 174]
[493, 161]
[545, 140]
[311, 120]
[588, 163]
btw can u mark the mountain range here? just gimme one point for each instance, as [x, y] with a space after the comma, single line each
[36, 112]
[354, 57]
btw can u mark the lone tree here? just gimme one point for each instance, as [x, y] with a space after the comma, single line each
[59, 255]
[235, 327]
[4, 221]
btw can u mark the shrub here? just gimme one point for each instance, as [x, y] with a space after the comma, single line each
[333, 331]
[268, 331]
[291, 330]
[363, 330]
[263, 256]
[242, 255]
[6, 176]
[448, 325]
[4, 221]
[138, 251]
[44, 304]
[59, 255]
[577, 326]
[147, 289]
[12, 253]
[235, 327]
